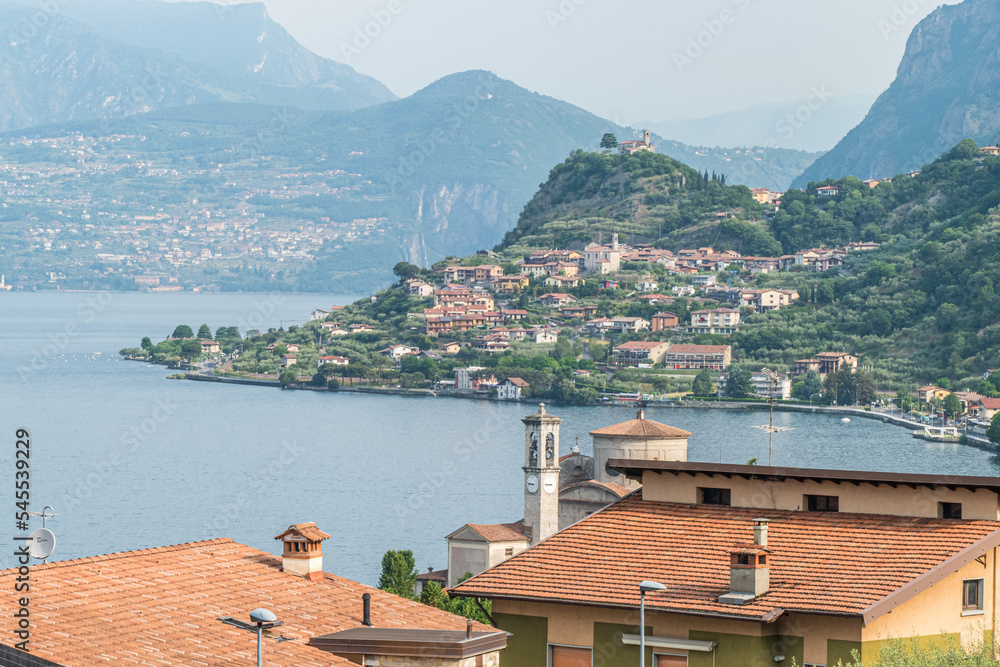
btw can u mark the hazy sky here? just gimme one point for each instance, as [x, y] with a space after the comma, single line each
[626, 60]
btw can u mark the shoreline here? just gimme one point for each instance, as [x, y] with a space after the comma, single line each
[699, 405]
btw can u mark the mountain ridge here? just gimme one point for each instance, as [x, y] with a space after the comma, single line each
[944, 91]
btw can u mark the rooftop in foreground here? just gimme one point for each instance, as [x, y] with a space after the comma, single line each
[161, 607]
[832, 563]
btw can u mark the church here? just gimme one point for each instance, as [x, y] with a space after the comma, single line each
[559, 490]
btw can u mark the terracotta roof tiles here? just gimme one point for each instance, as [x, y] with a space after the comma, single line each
[642, 428]
[160, 607]
[826, 562]
[500, 532]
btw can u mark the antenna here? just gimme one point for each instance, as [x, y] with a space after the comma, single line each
[41, 542]
[771, 429]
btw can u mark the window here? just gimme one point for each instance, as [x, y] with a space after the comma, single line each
[972, 596]
[671, 661]
[949, 510]
[508, 552]
[822, 503]
[569, 656]
[714, 496]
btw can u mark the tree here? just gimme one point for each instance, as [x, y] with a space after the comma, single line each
[405, 271]
[702, 385]
[191, 349]
[740, 383]
[433, 596]
[204, 332]
[287, 378]
[952, 406]
[146, 343]
[399, 573]
[609, 141]
[318, 380]
[812, 384]
[182, 331]
[993, 432]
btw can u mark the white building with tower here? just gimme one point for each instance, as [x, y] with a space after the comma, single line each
[559, 490]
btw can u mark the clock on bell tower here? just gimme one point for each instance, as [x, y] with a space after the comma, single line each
[541, 474]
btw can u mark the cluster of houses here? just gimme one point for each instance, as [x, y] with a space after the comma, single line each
[979, 408]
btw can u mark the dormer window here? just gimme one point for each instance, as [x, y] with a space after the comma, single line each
[709, 496]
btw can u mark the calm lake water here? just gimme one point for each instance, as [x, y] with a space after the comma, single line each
[130, 460]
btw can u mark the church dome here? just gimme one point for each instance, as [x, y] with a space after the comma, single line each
[640, 427]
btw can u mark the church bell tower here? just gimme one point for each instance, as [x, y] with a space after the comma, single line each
[541, 474]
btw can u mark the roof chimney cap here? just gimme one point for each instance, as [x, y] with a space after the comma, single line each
[641, 414]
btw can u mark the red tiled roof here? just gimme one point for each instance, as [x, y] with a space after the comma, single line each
[990, 403]
[698, 349]
[640, 345]
[517, 382]
[159, 607]
[500, 532]
[821, 562]
[642, 428]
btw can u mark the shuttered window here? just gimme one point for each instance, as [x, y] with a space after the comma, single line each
[569, 656]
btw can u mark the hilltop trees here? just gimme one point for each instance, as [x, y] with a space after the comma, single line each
[204, 331]
[182, 331]
[609, 141]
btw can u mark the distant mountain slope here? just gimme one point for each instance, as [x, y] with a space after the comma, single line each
[449, 169]
[66, 71]
[946, 89]
[831, 116]
[237, 39]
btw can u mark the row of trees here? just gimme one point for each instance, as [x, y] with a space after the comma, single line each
[399, 574]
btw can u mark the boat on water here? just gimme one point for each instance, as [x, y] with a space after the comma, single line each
[846, 420]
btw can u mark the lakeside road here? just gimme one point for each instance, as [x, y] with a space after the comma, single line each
[727, 405]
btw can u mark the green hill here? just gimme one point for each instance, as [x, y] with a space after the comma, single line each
[646, 197]
[923, 306]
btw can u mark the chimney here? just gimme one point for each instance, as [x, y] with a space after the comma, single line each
[760, 532]
[640, 414]
[302, 550]
[366, 604]
[749, 569]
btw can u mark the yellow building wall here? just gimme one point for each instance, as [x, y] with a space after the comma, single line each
[938, 610]
[790, 495]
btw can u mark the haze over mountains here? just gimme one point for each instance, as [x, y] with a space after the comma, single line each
[449, 168]
[137, 57]
[946, 90]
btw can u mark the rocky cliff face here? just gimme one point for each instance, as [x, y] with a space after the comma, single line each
[458, 218]
[946, 90]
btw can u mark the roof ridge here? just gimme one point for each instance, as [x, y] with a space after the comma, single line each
[128, 554]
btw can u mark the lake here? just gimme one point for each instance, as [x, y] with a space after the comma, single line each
[131, 460]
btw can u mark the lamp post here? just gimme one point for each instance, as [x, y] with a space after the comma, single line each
[260, 620]
[645, 587]
[811, 398]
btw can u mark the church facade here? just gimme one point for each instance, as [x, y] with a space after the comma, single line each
[561, 490]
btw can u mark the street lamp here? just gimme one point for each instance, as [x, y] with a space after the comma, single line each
[811, 398]
[645, 587]
[260, 620]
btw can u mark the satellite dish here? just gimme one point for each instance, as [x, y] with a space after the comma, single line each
[41, 543]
